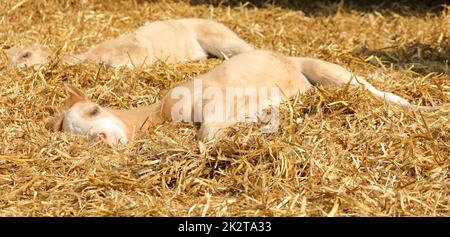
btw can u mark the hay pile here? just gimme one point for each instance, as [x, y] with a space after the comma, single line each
[337, 153]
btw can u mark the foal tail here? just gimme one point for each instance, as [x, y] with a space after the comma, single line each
[320, 72]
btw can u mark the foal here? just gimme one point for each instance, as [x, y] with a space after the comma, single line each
[171, 41]
[248, 77]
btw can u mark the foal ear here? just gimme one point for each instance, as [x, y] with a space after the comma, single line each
[75, 92]
[74, 95]
[54, 123]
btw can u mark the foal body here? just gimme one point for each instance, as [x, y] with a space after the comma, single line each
[248, 71]
[172, 41]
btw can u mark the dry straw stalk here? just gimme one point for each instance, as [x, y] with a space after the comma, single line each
[343, 153]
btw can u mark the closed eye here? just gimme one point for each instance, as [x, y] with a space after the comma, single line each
[94, 111]
[26, 54]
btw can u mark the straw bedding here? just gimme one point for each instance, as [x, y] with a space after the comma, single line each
[338, 152]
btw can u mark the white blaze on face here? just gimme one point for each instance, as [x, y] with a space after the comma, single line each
[90, 119]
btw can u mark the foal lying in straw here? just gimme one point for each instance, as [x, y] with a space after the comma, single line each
[171, 41]
[239, 89]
